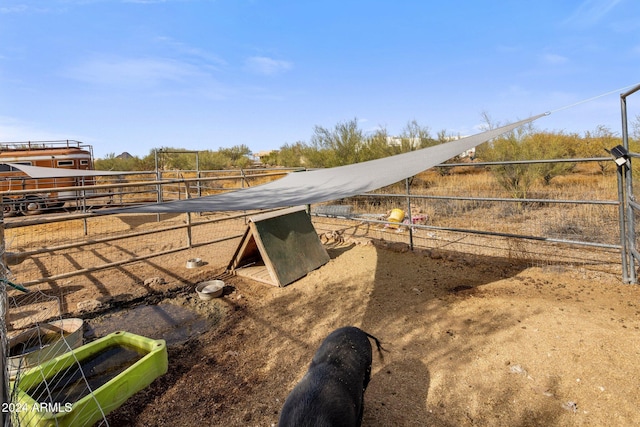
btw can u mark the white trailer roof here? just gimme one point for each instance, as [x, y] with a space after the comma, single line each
[44, 172]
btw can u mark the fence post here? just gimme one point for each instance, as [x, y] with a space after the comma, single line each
[622, 224]
[630, 226]
[409, 214]
[628, 248]
[198, 175]
[84, 206]
[158, 185]
[189, 242]
[243, 179]
[4, 384]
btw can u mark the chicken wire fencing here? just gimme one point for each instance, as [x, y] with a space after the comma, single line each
[43, 388]
[32, 332]
[52, 254]
[50, 259]
[55, 250]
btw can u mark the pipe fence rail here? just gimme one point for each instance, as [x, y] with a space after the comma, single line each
[69, 240]
[628, 205]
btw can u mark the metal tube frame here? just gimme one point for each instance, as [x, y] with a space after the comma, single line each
[409, 215]
[630, 253]
[4, 383]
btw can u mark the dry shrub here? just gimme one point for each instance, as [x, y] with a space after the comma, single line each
[582, 222]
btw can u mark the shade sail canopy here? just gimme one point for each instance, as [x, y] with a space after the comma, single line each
[303, 188]
[44, 172]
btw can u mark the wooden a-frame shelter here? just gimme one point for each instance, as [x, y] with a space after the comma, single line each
[278, 248]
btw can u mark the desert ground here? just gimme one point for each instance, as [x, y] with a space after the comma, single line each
[469, 341]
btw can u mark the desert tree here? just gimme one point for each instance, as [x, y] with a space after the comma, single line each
[213, 160]
[415, 136]
[376, 145]
[550, 146]
[516, 178]
[111, 162]
[340, 145]
[595, 143]
[170, 158]
[238, 155]
[635, 129]
[288, 155]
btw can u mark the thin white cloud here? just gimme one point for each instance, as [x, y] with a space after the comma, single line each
[142, 72]
[22, 6]
[158, 76]
[13, 9]
[515, 91]
[590, 12]
[144, 1]
[15, 130]
[36, 6]
[266, 66]
[186, 50]
[503, 48]
[554, 59]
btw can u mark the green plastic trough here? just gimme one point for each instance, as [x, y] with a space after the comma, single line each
[149, 363]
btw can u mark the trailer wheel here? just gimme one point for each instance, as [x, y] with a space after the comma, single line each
[33, 206]
[9, 208]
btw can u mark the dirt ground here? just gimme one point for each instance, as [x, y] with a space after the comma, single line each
[470, 340]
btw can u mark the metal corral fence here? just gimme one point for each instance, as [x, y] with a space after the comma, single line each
[58, 251]
[556, 224]
[455, 210]
[72, 240]
[559, 225]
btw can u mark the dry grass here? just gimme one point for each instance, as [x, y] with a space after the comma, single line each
[580, 222]
[550, 227]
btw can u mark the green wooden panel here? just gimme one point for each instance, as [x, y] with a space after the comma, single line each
[291, 245]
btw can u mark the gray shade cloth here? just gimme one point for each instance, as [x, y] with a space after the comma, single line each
[44, 172]
[304, 188]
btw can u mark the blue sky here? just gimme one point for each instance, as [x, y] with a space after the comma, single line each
[203, 74]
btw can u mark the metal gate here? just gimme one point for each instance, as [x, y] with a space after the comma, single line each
[629, 207]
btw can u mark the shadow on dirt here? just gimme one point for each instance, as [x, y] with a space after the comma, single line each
[412, 387]
[246, 367]
[136, 220]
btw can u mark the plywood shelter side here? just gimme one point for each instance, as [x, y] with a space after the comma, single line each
[283, 246]
[292, 246]
[247, 260]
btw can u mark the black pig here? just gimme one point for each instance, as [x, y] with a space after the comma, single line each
[332, 391]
